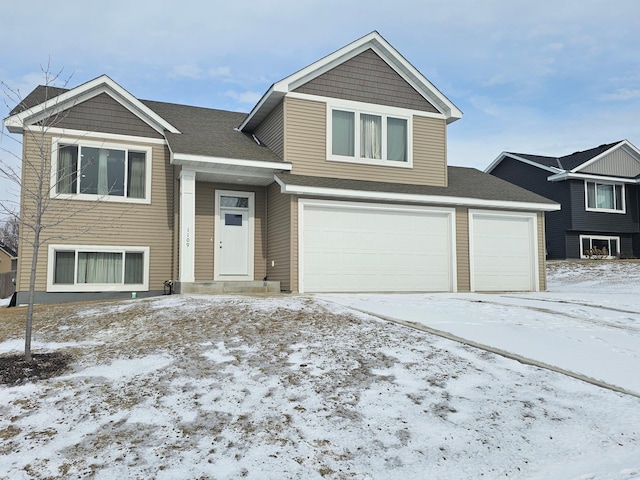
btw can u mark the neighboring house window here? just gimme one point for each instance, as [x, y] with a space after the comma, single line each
[608, 197]
[99, 170]
[369, 137]
[97, 268]
[599, 246]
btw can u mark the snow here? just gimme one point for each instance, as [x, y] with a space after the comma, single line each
[186, 387]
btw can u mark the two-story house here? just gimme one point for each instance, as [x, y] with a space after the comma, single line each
[336, 181]
[599, 193]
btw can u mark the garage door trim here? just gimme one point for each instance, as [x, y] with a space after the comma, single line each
[533, 242]
[450, 213]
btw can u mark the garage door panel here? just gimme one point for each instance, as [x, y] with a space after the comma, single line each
[363, 248]
[503, 255]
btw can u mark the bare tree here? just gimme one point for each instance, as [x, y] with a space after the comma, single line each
[39, 214]
[9, 232]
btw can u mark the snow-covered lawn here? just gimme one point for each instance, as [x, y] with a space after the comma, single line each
[188, 387]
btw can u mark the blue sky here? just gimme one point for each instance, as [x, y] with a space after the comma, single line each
[544, 77]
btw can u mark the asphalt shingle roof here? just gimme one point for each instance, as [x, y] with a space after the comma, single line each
[568, 162]
[209, 132]
[463, 183]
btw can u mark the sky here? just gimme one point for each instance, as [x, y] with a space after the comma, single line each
[549, 77]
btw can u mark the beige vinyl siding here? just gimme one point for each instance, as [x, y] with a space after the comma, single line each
[77, 222]
[279, 228]
[293, 252]
[542, 254]
[205, 215]
[305, 147]
[205, 229]
[462, 249]
[270, 131]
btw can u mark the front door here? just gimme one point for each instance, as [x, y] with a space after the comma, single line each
[233, 243]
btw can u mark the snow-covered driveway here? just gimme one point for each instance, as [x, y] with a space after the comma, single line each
[581, 324]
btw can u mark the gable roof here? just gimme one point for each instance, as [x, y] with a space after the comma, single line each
[467, 186]
[45, 101]
[8, 251]
[383, 49]
[567, 165]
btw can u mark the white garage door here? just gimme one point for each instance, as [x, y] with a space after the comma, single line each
[363, 247]
[503, 251]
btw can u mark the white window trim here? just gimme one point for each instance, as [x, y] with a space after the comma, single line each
[604, 210]
[56, 141]
[368, 109]
[96, 287]
[600, 237]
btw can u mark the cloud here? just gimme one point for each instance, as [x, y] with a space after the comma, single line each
[622, 94]
[248, 97]
[195, 72]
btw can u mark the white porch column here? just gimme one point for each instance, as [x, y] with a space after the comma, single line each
[187, 225]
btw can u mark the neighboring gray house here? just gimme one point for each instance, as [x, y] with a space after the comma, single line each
[599, 193]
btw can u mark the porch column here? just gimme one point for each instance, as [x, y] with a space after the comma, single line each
[187, 225]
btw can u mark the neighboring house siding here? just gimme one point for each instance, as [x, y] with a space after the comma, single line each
[279, 236]
[5, 262]
[462, 249]
[367, 78]
[305, 147]
[270, 131]
[103, 114]
[534, 179]
[104, 223]
[205, 229]
[618, 163]
[583, 220]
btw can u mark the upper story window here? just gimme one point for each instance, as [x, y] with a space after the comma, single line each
[375, 138]
[605, 197]
[111, 172]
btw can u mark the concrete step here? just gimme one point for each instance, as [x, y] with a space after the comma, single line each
[226, 287]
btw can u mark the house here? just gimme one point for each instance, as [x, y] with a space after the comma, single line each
[8, 259]
[599, 193]
[336, 181]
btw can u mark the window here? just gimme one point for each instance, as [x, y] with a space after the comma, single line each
[368, 137]
[608, 197]
[92, 170]
[87, 268]
[599, 247]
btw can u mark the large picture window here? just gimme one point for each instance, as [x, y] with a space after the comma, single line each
[86, 268]
[101, 171]
[608, 197]
[369, 137]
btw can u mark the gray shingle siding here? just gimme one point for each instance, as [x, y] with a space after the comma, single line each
[103, 114]
[367, 78]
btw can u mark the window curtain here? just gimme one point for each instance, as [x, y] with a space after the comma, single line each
[133, 267]
[343, 133]
[396, 139]
[103, 172]
[136, 175]
[63, 271]
[605, 196]
[370, 136]
[99, 267]
[66, 170]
